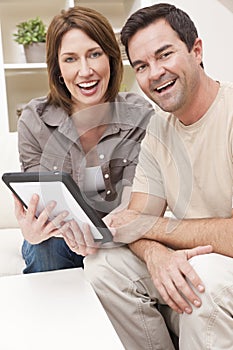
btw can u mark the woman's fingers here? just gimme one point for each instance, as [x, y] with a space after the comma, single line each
[91, 245]
[19, 208]
[56, 223]
[80, 240]
[78, 233]
[46, 212]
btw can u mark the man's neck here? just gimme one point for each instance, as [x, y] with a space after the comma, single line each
[201, 102]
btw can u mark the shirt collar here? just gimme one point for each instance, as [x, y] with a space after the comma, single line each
[51, 115]
[123, 117]
[57, 117]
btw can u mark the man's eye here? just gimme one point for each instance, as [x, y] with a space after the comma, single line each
[166, 54]
[140, 68]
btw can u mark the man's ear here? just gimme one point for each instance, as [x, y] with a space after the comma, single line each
[198, 50]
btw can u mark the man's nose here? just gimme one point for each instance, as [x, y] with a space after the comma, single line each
[156, 71]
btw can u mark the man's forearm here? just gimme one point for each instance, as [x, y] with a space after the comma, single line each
[190, 233]
[176, 234]
[141, 247]
[144, 219]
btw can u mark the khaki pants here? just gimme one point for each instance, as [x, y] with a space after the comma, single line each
[138, 313]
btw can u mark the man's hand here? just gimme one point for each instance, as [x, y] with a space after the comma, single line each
[36, 230]
[175, 278]
[129, 225]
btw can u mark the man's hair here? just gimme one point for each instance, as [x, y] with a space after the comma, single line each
[179, 21]
[98, 28]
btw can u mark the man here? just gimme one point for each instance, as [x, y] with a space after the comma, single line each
[185, 164]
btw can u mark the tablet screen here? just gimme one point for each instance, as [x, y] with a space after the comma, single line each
[61, 188]
[57, 191]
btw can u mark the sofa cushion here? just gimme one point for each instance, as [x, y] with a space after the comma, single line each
[9, 162]
[11, 261]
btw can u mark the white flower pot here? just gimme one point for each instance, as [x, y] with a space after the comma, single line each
[35, 53]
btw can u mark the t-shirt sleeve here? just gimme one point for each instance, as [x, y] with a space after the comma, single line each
[148, 177]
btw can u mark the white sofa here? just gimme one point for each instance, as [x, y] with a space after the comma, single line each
[11, 261]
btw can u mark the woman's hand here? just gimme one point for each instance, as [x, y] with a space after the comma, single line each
[36, 230]
[80, 240]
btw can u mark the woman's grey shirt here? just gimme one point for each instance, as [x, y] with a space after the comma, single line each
[48, 141]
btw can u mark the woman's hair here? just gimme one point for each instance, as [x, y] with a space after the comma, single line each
[98, 28]
[179, 21]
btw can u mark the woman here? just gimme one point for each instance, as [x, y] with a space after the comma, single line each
[84, 127]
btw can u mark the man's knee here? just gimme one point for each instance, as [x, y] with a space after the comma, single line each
[216, 273]
[215, 270]
[101, 265]
[94, 266]
[119, 259]
[116, 267]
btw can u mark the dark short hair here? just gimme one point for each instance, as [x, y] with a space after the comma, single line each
[98, 28]
[179, 21]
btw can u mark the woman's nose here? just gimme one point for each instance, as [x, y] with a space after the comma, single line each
[85, 69]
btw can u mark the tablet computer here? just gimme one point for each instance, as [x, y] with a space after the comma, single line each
[60, 187]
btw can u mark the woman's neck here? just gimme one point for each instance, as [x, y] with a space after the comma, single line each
[91, 123]
[92, 118]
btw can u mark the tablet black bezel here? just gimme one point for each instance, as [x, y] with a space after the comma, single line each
[72, 187]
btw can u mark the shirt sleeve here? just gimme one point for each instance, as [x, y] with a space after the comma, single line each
[29, 148]
[148, 177]
[140, 113]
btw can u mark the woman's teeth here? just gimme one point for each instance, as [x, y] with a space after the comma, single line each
[88, 85]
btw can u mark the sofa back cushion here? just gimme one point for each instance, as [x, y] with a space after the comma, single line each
[9, 162]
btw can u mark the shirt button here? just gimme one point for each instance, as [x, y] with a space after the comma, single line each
[106, 176]
[108, 192]
[101, 156]
[124, 160]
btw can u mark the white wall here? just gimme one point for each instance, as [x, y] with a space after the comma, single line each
[214, 22]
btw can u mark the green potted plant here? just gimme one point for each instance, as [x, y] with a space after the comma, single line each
[32, 35]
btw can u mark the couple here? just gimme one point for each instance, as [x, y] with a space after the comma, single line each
[172, 273]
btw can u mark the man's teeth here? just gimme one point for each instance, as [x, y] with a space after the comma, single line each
[88, 85]
[165, 85]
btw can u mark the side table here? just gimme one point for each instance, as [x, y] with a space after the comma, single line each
[54, 310]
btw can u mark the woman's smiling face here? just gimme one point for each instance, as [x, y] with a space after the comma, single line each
[85, 69]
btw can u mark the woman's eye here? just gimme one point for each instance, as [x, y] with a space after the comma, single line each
[69, 59]
[95, 54]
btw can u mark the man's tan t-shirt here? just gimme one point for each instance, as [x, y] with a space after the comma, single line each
[190, 166]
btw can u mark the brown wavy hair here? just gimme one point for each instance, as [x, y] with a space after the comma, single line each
[98, 28]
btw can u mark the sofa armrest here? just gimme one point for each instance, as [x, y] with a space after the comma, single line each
[9, 162]
[11, 260]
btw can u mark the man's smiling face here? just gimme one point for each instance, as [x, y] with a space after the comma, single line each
[165, 70]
